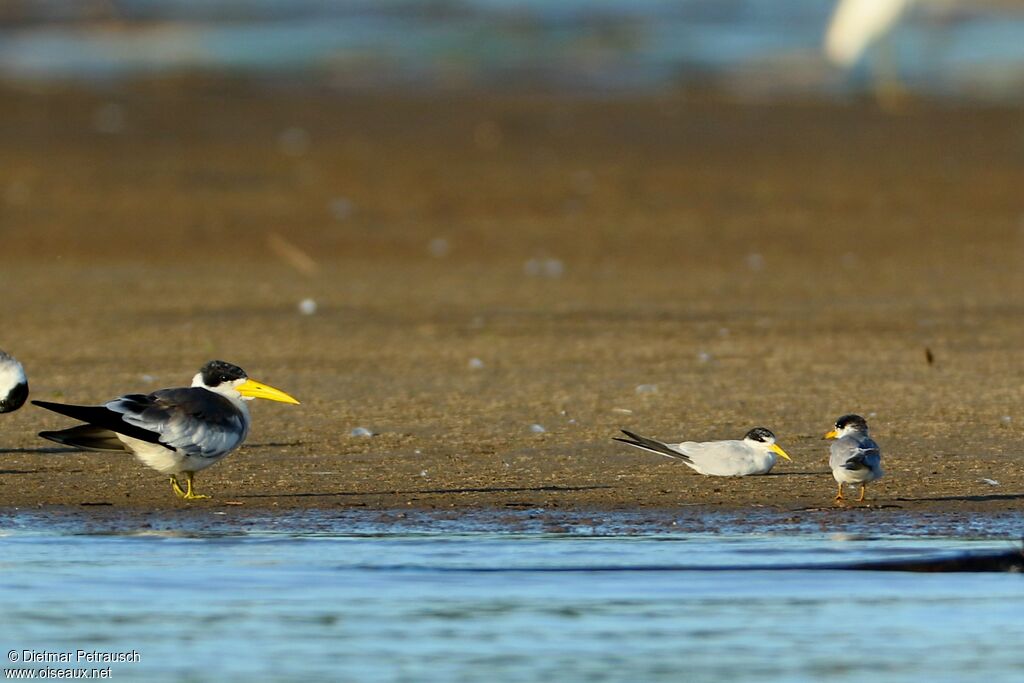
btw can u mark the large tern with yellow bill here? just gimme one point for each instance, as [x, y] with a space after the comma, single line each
[756, 453]
[177, 431]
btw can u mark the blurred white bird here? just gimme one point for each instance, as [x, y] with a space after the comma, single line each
[858, 24]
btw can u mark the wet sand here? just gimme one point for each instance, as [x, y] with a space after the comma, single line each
[753, 264]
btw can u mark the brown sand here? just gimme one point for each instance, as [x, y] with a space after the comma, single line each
[761, 265]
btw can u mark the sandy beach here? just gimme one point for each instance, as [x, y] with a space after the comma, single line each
[683, 267]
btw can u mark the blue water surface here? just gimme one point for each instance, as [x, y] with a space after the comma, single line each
[365, 597]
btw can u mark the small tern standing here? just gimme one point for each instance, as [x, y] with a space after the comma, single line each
[754, 454]
[175, 431]
[855, 457]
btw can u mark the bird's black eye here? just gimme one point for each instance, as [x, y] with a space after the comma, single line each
[217, 372]
[851, 420]
[760, 434]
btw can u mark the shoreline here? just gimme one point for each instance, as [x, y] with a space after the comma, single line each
[685, 270]
[838, 525]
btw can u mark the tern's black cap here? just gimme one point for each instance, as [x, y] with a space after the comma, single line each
[760, 434]
[855, 421]
[217, 372]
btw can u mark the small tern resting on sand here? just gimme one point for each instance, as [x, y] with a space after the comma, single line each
[175, 431]
[855, 457]
[13, 384]
[755, 454]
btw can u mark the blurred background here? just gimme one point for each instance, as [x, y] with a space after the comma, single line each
[749, 48]
[449, 220]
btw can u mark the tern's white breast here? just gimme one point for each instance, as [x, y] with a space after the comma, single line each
[164, 460]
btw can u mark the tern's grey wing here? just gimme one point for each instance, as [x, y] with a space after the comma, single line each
[705, 448]
[868, 455]
[191, 420]
[731, 458]
[853, 454]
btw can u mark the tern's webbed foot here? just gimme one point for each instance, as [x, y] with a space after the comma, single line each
[176, 487]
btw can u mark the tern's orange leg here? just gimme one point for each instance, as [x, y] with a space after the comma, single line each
[863, 490]
[839, 495]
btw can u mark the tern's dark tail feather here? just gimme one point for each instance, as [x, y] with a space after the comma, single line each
[100, 416]
[651, 445]
[86, 437]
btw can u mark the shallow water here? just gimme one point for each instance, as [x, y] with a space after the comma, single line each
[750, 47]
[365, 596]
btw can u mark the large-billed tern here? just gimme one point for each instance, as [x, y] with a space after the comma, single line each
[175, 431]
